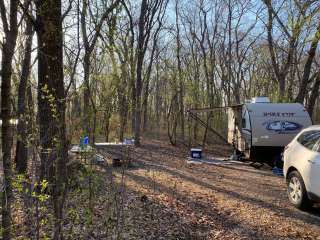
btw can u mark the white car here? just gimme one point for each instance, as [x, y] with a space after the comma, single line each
[302, 167]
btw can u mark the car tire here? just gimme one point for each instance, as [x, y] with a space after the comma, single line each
[296, 190]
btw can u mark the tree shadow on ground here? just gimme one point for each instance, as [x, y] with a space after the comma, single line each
[311, 218]
[150, 162]
[219, 218]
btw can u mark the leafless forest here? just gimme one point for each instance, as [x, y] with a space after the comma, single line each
[117, 69]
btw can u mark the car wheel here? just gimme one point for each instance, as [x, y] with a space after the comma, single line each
[297, 191]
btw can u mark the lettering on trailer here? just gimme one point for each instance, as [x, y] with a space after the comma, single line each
[278, 114]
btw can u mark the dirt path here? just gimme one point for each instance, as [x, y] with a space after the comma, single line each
[182, 201]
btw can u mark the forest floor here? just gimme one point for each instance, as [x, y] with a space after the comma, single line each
[166, 198]
[161, 196]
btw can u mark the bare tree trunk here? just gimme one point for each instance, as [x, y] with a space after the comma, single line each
[10, 28]
[181, 85]
[157, 105]
[133, 105]
[148, 12]
[140, 58]
[123, 110]
[107, 126]
[229, 49]
[279, 72]
[132, 63]
[147, 79]
[314, 95]
[282, 88]
[172, 120]
[86, 95]
[89, 43]
[22, 150]
[137, 130]
[292, 33]
[51, 105]
[307, 67]
[145, 105]
[6, 137]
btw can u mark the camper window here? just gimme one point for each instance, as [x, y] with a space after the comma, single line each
[243, 122]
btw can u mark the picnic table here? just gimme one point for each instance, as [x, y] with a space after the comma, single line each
[119, 152]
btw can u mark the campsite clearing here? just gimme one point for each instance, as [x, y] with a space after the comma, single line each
[169, 199]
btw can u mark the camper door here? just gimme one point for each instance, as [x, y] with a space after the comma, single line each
[246, 130]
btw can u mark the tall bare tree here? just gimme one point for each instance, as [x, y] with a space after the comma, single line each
[9, 15]
[51, 105]
[180, 72]
[89, 40]
[21, 149]
[292, 32]
[307, 67]
[150, 12]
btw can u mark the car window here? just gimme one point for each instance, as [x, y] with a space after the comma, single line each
[316, 146]
[310, 139]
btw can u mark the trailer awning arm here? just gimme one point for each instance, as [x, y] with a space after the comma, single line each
[200, 110]
[195, 117]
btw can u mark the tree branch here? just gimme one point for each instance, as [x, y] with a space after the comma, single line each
[4, 17]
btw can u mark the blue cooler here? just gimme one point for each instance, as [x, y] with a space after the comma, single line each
[196, 153]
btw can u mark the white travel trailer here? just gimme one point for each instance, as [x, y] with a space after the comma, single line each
[259, 130]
